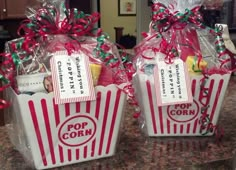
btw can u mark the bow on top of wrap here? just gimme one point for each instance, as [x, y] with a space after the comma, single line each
[48, 21]
[54, 18]
[174, 15]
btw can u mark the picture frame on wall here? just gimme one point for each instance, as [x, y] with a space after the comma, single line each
[126, 7]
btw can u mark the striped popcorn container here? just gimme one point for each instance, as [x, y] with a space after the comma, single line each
[180, 119]
[50, 135]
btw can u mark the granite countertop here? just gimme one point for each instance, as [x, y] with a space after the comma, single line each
[135, 151]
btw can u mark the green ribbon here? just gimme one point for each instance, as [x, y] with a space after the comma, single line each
[195, 62]
[4, 79]
[102, 53]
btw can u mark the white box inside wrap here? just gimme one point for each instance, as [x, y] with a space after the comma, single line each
[179, 120]
[50, 135]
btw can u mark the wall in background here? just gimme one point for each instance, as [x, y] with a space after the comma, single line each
[143, 18]
[110, 19]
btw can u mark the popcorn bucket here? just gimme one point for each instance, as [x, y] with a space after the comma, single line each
[181, 119]
[50, 135]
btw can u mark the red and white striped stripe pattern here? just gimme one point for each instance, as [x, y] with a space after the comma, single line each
[156, 119]
[42, 119]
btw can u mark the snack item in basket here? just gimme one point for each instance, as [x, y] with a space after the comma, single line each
[34, 83]
[96, 71]
[195, 64]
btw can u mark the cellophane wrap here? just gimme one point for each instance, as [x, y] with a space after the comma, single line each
[46, 133]
[178, 32]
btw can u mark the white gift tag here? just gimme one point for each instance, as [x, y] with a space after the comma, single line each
[172, 83]
[72, 79]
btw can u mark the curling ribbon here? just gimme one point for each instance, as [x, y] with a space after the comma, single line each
[166, 48]
[6, 76]
[102, 51]
[206, 126]
[46, 22]
[163, 19]
[129, 89]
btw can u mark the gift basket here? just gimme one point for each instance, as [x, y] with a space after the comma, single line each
[182, 72]
[65, 88]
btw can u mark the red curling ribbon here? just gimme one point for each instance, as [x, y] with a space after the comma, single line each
[6, 76]
[162, 17]
[148, 48]
[162, 48]
[7, 66]
[47, 23]
[129, 70]
[130, 91]
[206, 125]
[43, 24]
[105, 47]
[163, 20]
[163, 45]
[144, 34]
[115, 64]
[70, 48]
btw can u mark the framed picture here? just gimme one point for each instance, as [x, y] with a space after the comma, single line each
[126, 7]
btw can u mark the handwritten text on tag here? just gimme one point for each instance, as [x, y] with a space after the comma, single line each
[172, 83]
[72, 79]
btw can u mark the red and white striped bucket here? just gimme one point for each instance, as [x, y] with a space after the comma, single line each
[56, 135]
[183, 119]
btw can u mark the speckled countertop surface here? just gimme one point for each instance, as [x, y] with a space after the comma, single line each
[138, 152]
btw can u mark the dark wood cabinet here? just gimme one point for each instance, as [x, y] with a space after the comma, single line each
[12, 9]
[81, 5]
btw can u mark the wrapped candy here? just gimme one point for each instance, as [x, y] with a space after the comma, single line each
[66, 87]
[182, 72]
[194, 65]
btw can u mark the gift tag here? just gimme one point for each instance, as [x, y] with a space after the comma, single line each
[172, 83]
[72, 79]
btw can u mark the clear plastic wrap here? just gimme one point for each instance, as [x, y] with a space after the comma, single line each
[182, 72]
[37, 66]
[67, 88]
